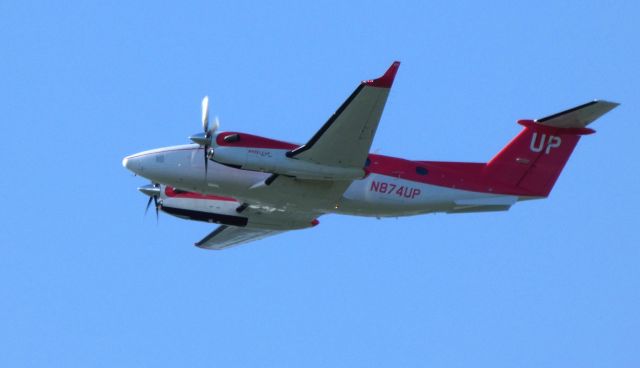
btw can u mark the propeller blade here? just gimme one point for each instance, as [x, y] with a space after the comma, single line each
[153, 190]
[205, 114]
[216, 124]
[205, 139]
[155, 201]
[148, 204]
[206, 163]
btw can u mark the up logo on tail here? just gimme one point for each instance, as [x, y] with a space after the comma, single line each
[552, 142]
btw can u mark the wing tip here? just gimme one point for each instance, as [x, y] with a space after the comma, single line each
[386, 81]
[612, 103]
[206, 247]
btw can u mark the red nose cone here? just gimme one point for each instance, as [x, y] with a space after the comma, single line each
[315, 222]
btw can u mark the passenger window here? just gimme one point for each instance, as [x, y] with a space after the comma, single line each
[421, 170]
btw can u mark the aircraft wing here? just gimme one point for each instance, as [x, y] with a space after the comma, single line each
[263, 221]
[345, 139]
[228, 236]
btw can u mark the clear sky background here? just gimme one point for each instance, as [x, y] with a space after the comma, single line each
[86, 280]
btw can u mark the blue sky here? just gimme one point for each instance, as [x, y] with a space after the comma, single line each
[86, 280]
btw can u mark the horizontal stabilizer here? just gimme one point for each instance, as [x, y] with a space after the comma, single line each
[491, 201]
[580, 116]
[502, 203]
[472, 209]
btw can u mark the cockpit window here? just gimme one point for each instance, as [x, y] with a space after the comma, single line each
[367, 163]
[232, 138]
[421, 170]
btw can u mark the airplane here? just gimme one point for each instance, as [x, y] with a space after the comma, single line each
[254, 187]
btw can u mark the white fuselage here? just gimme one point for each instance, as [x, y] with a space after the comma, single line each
[374, 195]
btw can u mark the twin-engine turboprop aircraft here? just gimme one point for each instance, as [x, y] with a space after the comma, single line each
[256, 187]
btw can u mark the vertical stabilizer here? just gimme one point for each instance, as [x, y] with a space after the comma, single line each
[534, 159]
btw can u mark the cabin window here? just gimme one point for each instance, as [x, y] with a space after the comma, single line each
[367, 163]
[421, 170]
[232, 138]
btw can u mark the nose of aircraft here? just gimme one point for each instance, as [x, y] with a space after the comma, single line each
[131, 163]
[163, 165]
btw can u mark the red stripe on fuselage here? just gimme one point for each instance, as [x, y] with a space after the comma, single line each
[456, 175]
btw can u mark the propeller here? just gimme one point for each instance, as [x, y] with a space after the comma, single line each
[205, 139]
[153, 191]
[205, 113]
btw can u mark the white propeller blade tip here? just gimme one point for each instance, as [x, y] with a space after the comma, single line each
[205, 113]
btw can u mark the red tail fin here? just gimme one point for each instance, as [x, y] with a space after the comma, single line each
[533, 160]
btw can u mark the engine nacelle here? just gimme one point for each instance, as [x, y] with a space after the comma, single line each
[225, 211]
[275, 161]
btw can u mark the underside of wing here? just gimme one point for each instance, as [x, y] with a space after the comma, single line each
[345, 139]
[227, 236]
[300, 195]
[263, 221]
